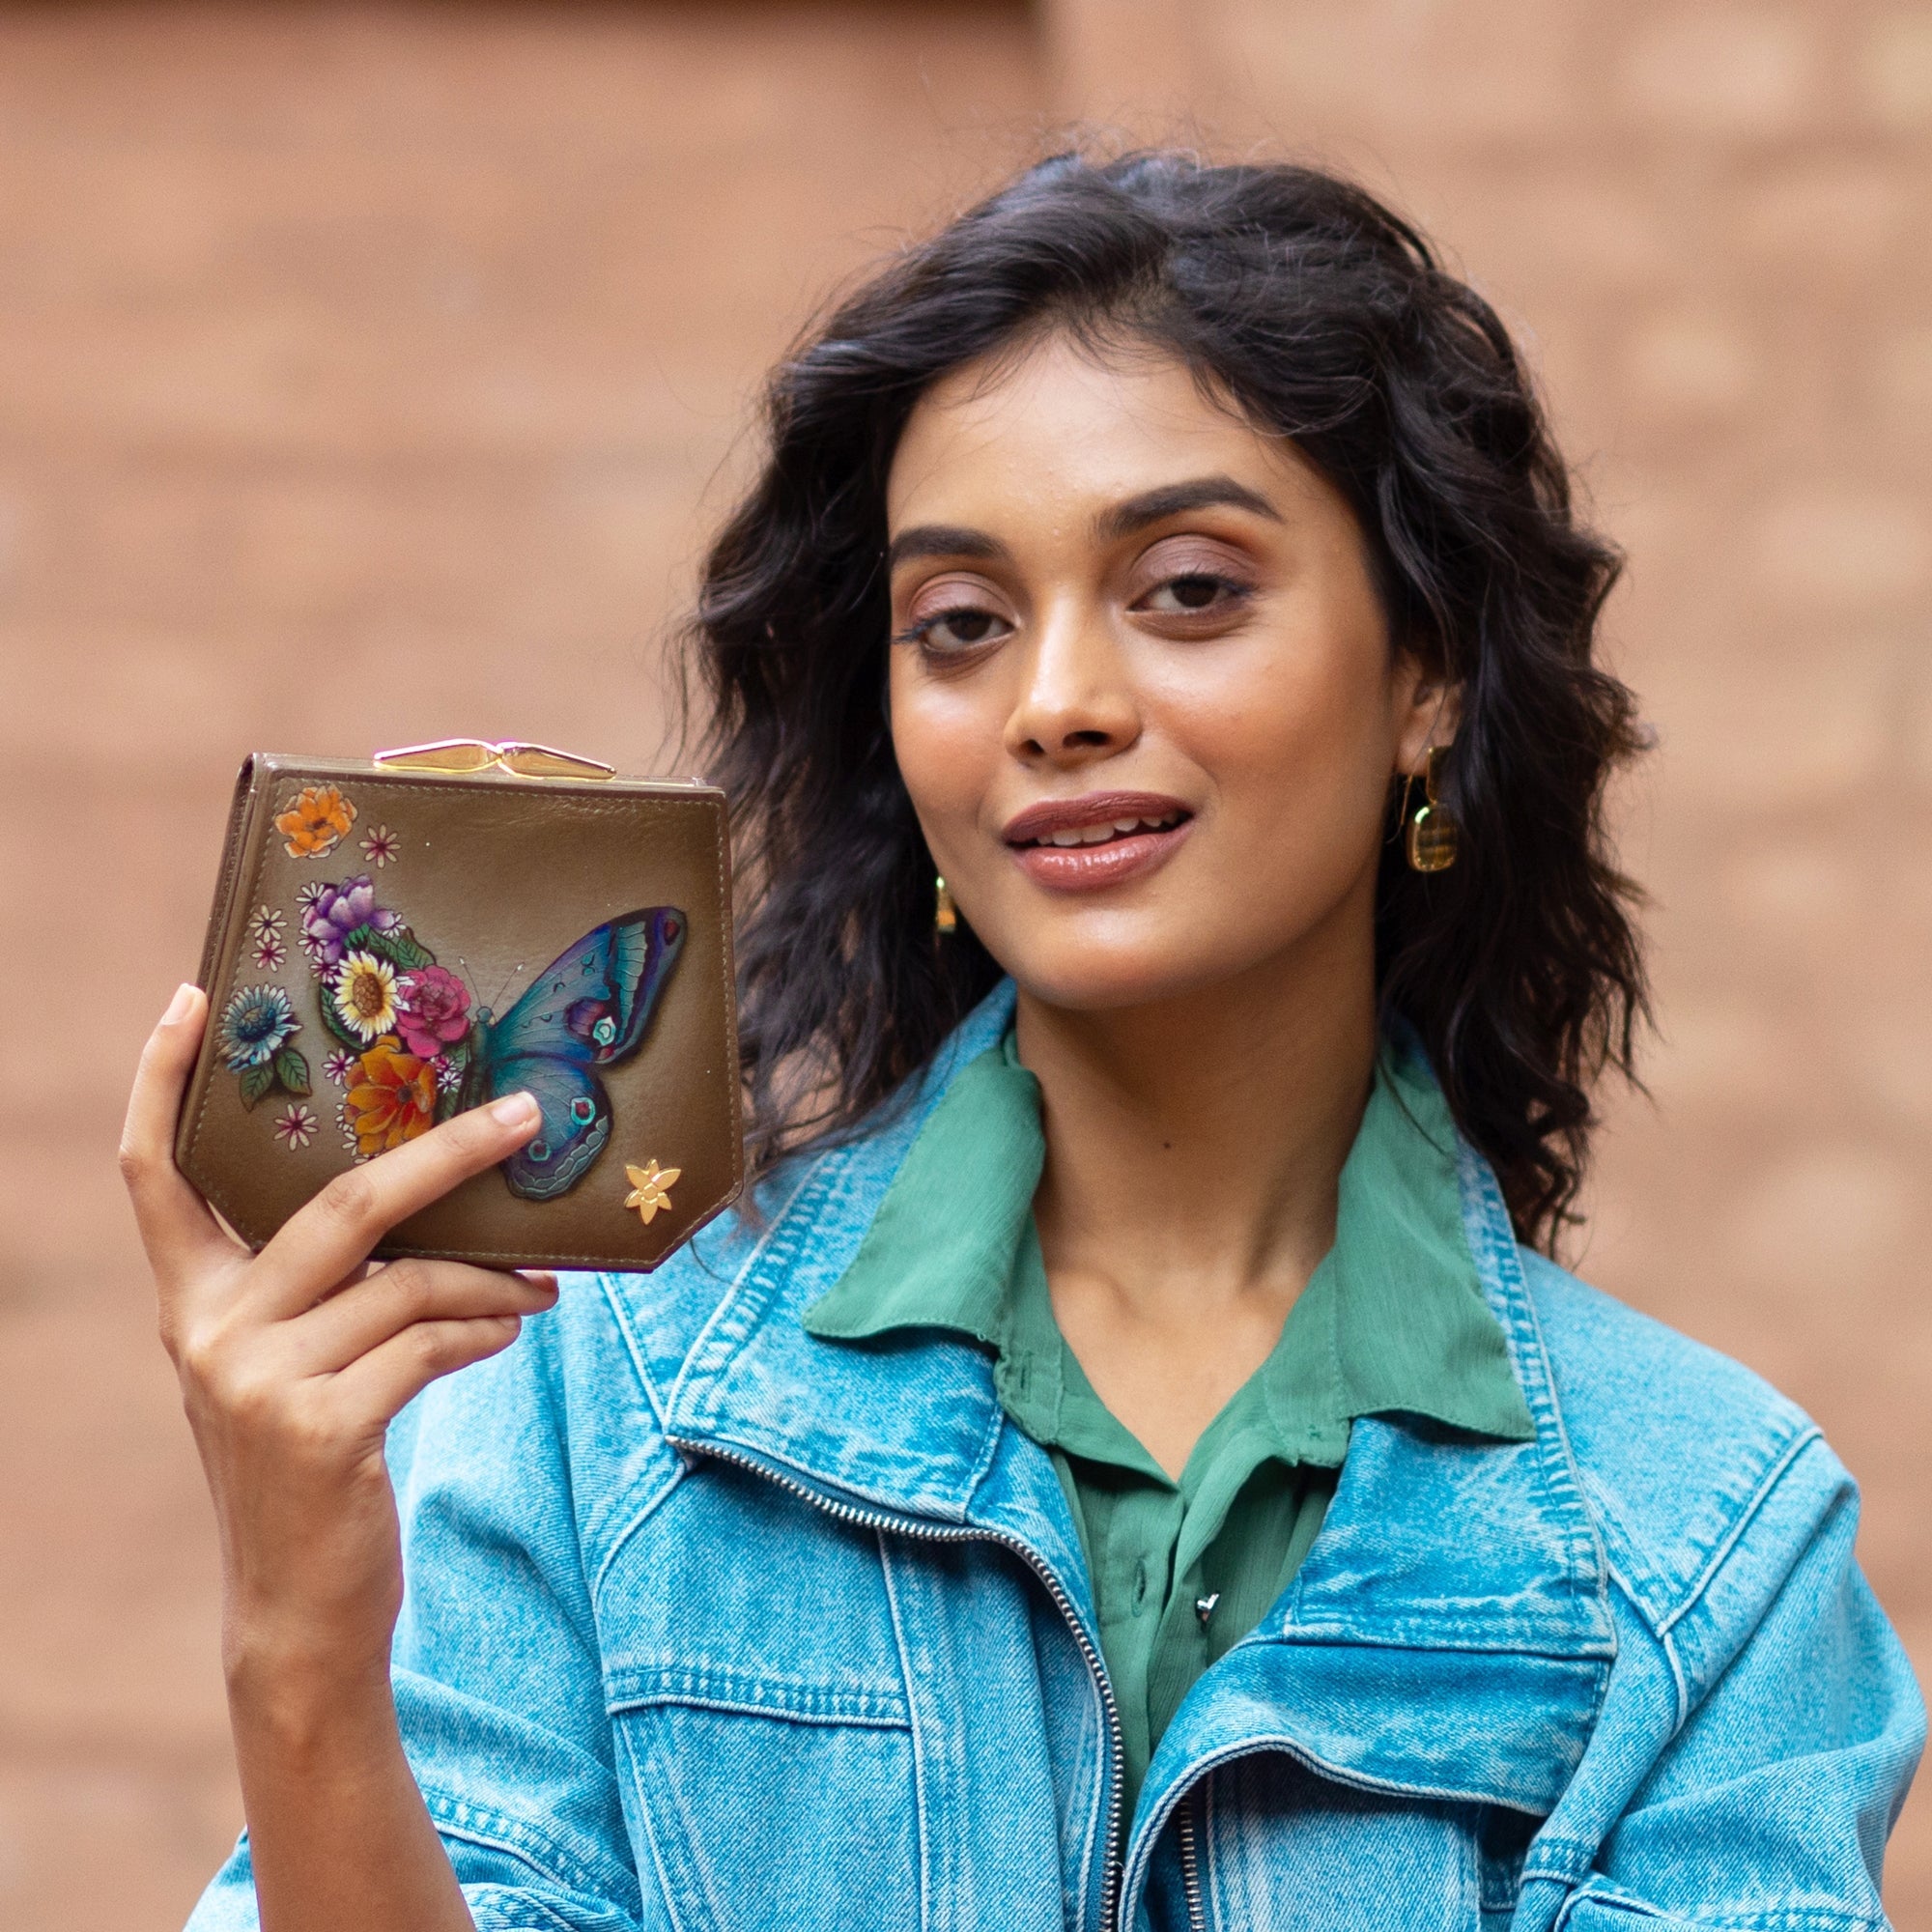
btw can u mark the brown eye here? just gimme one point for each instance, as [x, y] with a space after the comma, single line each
[961, 629]
[1193, 593]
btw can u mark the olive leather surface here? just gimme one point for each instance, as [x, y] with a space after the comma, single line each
[496, 876]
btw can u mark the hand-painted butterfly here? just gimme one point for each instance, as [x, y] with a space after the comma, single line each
[588, 1009]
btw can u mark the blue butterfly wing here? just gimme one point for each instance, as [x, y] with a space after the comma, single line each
[576, 1123]
[588, 1007]
[593, 1002]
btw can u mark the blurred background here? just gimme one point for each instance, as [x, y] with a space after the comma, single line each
[371, 373]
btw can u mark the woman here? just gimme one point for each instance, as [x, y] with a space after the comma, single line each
[1133, 1461]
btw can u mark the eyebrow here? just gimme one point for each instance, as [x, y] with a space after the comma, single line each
[1174, 500]
[1123, 519]
[942, 540]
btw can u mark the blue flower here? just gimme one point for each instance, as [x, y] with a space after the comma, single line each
[255, 1024]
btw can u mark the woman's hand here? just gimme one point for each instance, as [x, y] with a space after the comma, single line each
[292, 1362]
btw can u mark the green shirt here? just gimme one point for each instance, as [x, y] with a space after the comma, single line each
[1392, 1319]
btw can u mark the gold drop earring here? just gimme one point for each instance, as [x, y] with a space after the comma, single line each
[1430, 837]
[944, 913]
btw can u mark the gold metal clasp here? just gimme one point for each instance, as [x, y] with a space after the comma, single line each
[465, 756]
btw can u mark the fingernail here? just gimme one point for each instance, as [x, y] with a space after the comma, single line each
[178, 1007]
[514, 1110]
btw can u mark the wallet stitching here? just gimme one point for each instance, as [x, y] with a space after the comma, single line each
[596, 808]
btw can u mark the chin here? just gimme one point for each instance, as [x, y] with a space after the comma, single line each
[1100, 978]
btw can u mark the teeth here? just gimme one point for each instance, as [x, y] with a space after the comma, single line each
[1098, 835]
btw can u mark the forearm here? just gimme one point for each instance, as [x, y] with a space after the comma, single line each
[338, 1832]
[292, 1362]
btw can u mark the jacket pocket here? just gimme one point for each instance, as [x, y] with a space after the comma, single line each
[758, 1711]
[765, 1803]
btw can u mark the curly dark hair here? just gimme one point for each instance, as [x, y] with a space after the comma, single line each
[1327, 318]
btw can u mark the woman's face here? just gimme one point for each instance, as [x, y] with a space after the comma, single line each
[1143, 695]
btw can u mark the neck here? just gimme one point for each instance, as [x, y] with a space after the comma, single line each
[1194, 1145]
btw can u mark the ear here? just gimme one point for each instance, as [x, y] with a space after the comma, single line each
[1429, 711]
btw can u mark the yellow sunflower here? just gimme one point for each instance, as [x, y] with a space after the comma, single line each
[365, 995]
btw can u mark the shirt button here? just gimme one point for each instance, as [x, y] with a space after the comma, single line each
[1139, 1597]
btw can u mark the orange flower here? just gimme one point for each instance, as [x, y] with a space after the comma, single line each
[394, 1102]
[316, 822]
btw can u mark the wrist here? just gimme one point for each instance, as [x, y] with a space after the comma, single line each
[300, 1698]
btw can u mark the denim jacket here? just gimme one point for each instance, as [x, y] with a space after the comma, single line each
[711, 1627]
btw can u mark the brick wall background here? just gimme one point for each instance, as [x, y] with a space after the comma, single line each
[372, 373]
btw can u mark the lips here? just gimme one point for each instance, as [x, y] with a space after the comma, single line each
[1083, 844]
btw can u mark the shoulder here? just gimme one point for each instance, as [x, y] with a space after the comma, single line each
[589, 1382]
[792, 1235]
[1690, 1461]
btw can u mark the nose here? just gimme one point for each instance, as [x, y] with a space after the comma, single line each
[1076, 703]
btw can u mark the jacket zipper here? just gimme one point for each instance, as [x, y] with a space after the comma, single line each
[879, 1519]
[1190, 1866]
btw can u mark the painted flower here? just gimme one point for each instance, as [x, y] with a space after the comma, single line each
[265, 938]
[255, 1025]
[449, 1076]
[339, 1066]
[305, 899]
[296, 1128]
[393, 1101]
[364, 993]
[382, 846]
[650, 1188]
[316, 821]
[335, 912]
[431, 1010]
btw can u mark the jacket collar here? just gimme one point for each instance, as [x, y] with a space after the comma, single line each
[1472, 1567]
[1449, 1633]
[905, 1428]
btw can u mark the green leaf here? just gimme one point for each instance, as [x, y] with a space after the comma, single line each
[292, 1070]
[325, 999]
[402, 946]
[256, 1081]
[452, 1099]
[399, 946]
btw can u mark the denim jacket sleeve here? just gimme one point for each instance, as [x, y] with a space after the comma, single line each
[497, 1682]
[1757, 1740]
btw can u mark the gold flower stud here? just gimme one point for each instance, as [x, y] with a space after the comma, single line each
[650, 1188]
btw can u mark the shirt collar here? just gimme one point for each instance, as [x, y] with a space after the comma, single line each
[1393, 1321]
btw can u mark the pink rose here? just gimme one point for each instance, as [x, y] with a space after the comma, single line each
[431, 1011]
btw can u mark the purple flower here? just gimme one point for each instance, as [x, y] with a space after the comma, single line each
[433, 1011]
[337, 911]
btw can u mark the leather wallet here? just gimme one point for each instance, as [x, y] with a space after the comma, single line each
[392, 941]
